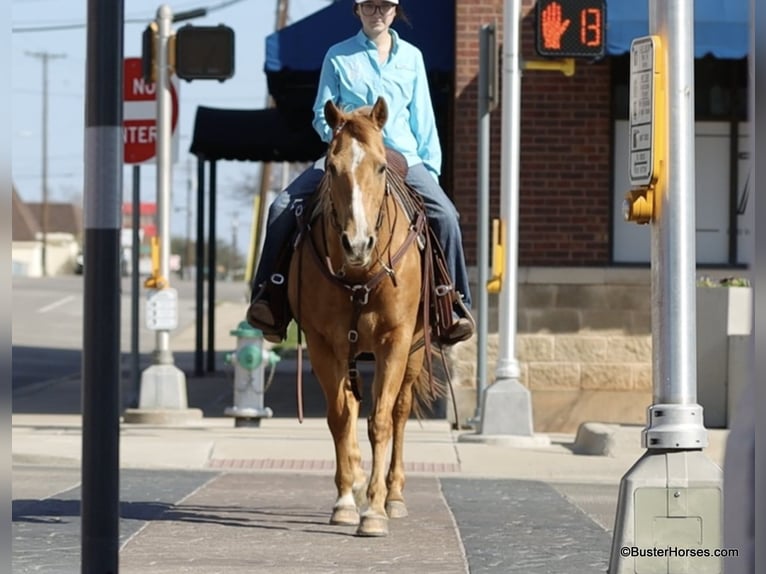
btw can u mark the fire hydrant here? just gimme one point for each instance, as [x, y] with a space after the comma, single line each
[249, 361]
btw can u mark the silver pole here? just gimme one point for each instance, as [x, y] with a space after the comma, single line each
[675, 420]
[162, 354]
[507, 365]
[507, 404]
[482, 249]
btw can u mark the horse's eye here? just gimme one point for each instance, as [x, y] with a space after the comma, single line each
[382, 168]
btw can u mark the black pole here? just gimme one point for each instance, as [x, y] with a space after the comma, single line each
[101, 303]
[211, 258]
[199, 368]
[135, 370]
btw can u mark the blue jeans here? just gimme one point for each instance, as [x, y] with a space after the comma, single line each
[442, 216]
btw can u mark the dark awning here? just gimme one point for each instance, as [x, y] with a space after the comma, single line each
[721, 27]
[301, 46]
[253, 135]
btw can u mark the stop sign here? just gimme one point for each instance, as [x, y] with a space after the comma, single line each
[139, 121]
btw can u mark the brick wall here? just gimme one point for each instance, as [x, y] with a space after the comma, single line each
[565, 177]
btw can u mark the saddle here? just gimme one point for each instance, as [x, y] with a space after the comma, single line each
[438, 294]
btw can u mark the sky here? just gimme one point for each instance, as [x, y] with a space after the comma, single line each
[252, 21]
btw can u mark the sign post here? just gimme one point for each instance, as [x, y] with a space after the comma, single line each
[163, 397]
[670, 501]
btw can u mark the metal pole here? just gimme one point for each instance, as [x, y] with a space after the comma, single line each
[135, 371]
[190, 187]
[507, 404]
[162, 353]
[44, 206]
[211, 259]
[675, 419]
[200, 267]
[486, 34]
[674, 482]
[101, 295]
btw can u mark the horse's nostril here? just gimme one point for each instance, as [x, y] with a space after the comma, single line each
[371, 242]
[346, 243]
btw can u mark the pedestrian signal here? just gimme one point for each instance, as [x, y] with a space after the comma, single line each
[570, 28]
[204, 52]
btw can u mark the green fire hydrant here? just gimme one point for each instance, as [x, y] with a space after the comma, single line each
[249, 361]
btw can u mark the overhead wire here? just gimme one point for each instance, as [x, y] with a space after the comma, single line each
[80, 25]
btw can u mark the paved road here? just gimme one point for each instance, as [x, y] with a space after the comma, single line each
[48, 325]
[277, 522]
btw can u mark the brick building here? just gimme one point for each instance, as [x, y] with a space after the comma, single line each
[584, 325]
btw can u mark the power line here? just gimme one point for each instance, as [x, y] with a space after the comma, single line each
[80, 25]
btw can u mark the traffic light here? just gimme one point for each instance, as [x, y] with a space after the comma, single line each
[204, 52]
[570, 28]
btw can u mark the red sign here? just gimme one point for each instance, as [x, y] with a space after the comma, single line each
[139, 122]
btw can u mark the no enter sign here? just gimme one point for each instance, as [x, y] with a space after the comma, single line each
[139, 125]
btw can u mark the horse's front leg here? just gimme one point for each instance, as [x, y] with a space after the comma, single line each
[395, 506]
[342, 416]
[390, 363]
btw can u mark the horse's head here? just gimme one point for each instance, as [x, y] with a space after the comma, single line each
[356, 166]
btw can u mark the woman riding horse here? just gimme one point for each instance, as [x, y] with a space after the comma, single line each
[375, 62]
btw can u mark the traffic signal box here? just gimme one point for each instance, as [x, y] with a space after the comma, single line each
[570, 28]
[194, 52]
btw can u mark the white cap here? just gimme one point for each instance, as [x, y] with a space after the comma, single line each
[389, 1]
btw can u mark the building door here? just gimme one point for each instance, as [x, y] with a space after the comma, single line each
[712, 199]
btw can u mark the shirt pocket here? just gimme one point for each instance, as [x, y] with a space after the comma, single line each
[402, 81]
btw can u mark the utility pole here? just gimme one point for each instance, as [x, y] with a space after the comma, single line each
[233, 258]
[282, 11]
[44, 57]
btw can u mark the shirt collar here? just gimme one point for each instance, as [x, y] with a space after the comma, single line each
[362, 38]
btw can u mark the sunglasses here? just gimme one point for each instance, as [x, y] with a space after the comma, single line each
[368, 8]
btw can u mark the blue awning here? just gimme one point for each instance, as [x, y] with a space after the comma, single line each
[301, 46]
[721, 27]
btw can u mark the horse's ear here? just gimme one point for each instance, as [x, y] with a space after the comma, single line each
[379, 113]
[331, 114]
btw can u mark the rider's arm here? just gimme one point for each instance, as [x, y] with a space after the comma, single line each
[423, 122]
[328, 89]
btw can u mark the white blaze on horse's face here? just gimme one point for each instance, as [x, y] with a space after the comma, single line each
[358, 244]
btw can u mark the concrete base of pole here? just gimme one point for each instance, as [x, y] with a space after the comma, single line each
[670, 503]
[163, 398]
[506, 409]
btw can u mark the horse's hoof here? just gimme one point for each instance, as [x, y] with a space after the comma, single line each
[373, 525]
[396, 509]
[345, 516]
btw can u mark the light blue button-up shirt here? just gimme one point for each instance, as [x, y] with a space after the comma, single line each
[352, 77]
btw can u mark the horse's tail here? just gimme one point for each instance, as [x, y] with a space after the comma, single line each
[429, 387]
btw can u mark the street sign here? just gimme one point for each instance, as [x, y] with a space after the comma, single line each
[139, 125]
[162, 309]
[646, 81]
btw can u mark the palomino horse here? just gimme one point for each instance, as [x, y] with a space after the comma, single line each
[355, 287]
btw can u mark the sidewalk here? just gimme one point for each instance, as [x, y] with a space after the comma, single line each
[208, 497]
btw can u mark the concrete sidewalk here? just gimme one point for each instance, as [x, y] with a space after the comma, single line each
[208, 497]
